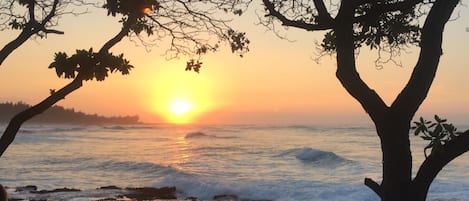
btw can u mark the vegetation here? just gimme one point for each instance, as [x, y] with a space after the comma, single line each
[59, 114]
[34, 19]
[386, 26]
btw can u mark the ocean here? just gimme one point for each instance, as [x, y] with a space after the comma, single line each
[254, 162]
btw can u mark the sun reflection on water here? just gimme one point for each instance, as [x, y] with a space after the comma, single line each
[182, 154]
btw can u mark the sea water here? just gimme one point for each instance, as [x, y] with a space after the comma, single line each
[263, 162]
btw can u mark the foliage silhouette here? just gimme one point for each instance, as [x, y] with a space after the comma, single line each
[386, 26]
[442, 132]
[33, 18]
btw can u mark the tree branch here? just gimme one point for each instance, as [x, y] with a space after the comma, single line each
[18, 41]
[416, 90]
[31, 28]
[381, 7]
[323, 15]
[117, 38]
[323, 24]
[373, 186]
[346, 69]
[438, 159]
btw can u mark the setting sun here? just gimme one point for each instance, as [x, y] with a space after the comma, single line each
[180, 107]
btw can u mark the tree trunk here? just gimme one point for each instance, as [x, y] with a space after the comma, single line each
[15, 123]
[397, 158]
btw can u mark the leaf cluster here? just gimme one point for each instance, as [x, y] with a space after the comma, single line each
[193, 65]
[238, 41]
[376, 29]
[438, 133]
[89, 65]
[16, 24]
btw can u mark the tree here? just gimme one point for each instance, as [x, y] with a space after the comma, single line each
[191, 26]
[33, 18]
[384, 25]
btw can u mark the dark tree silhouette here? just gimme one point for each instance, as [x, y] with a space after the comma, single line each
[33, 18]
[191, 26]
[385, 25]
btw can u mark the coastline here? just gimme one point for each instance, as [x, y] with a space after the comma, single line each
[109, 193]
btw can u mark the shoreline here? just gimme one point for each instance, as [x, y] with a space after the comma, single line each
[109, 193]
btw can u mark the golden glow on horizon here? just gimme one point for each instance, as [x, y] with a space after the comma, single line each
[181, 97]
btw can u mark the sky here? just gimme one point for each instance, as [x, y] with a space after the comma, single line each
[276, 82]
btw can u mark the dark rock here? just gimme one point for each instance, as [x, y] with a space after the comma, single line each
[109, 188]
[26, 188]
[58, 190]
[255, 200]
[226, 198]
[15, 199]
[148, 193]
[107, 199]
[192, 199]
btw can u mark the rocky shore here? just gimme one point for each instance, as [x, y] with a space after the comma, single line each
[107, 193]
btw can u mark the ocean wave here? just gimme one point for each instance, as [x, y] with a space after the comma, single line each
[143, 168]
[316, 156]
[199, 134]
[130, 127]
[51, 130]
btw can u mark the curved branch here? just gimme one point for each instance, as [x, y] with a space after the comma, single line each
[14, 125]
[324, 24]
[416, 90]
[346, 69]
[117, 38]
[17, 42]
[374, 186]
[31, 28]
[434, 163]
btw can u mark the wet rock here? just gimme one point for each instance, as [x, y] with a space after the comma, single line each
[225, 198]
[107, 199]
[58, 190]
[192, 199]
[26, 188]
[148, 193]
[109, 188]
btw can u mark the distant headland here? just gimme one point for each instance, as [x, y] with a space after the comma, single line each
[61, 115]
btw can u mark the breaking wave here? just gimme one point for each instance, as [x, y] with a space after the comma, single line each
[199, 134]
[316, 156]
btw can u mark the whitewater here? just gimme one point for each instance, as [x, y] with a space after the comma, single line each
[255, 162]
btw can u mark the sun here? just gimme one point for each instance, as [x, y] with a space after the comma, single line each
[180, 107]
[181, 111]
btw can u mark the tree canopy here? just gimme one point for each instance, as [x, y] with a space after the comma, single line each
[389, 26]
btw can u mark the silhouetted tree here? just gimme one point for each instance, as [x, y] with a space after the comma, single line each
[33, 18]
[191, 26]
[385, 25]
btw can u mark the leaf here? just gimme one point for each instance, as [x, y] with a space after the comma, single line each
[418, 130]
[426, 137]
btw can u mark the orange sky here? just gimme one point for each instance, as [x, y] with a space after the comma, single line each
[276, 82]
